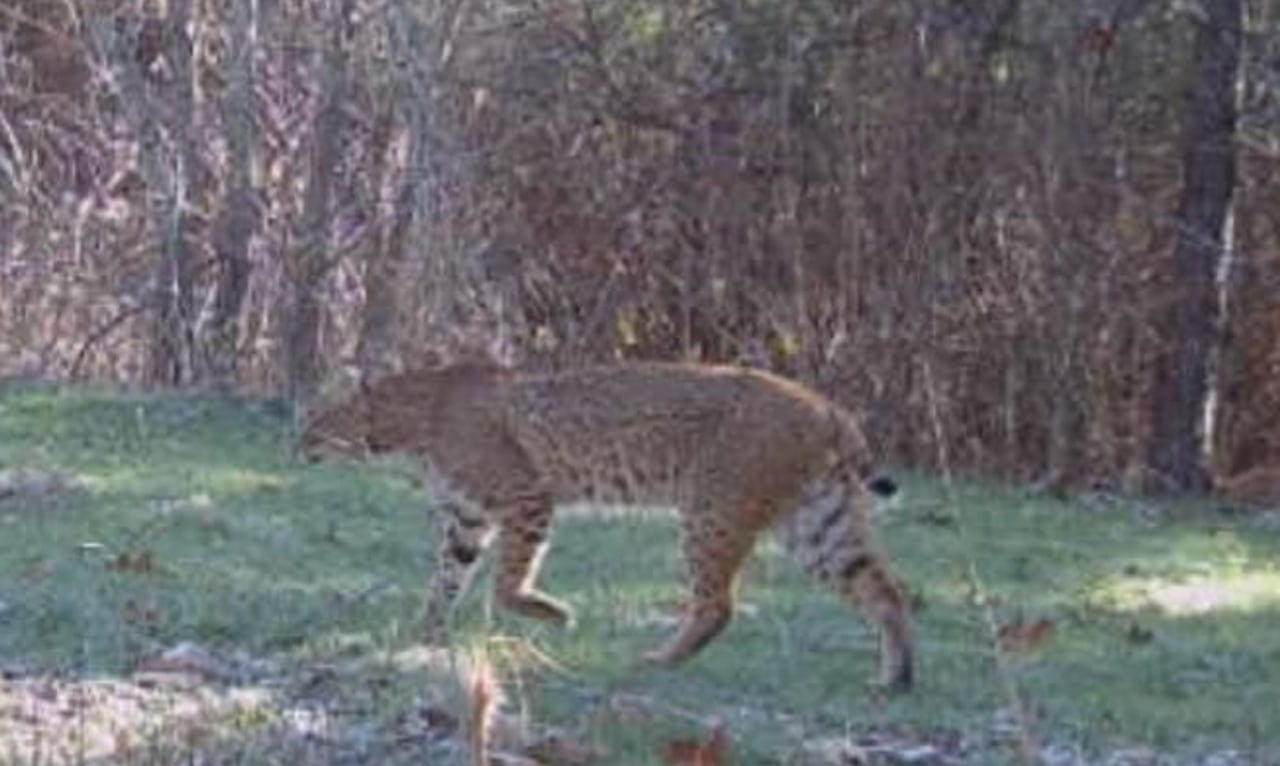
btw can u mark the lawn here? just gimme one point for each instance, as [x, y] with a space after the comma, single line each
[174, 587]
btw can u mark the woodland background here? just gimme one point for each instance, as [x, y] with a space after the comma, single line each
[1029, 238]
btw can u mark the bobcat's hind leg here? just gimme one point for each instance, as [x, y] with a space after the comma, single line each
[522, 542]
[830, 536]
[869, 584]
[464, 535]
[714, 551]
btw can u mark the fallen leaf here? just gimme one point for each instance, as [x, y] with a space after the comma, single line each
[143, 563]
[713, 752]
[1020, 637]
[136, 613]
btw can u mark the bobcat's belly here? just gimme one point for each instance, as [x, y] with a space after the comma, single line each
[616, 480]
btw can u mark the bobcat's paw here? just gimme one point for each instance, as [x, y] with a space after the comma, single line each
[539, 606]
[662, 658]
[889, 687]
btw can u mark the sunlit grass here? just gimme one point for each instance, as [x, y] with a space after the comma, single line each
[245, 480]
[1243, 591]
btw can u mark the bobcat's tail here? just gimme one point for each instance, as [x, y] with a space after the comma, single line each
[882, 486]
[855, 456]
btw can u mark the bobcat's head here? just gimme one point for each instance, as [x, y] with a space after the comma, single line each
[399, 412]
[340, 428]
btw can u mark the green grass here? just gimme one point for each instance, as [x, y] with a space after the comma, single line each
[1166, 619]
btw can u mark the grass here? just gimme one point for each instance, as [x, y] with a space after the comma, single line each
[1166, 619]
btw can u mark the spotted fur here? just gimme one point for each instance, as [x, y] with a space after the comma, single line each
[737, 451]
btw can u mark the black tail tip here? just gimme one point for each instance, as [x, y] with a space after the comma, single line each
[882, 486]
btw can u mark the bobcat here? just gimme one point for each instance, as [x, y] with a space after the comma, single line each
[737, 451]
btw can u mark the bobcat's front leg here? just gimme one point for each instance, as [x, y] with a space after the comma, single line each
[464, 535]
[522, 541]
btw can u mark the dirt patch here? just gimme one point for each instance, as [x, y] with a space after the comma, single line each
[191, 704]
[62, 721]
[34, 489]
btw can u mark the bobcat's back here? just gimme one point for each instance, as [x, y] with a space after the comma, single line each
[663, 433]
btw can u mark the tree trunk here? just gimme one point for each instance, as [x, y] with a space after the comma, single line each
[178, 302]
[238, 216]
[375, 345]
[1176, 452]
[166, 173]
[308, 261]
[403, 167]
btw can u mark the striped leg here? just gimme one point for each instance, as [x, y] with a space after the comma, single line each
[830, 536]
[522, 542]
[713, 553]
[464, 535]
[867, 582]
